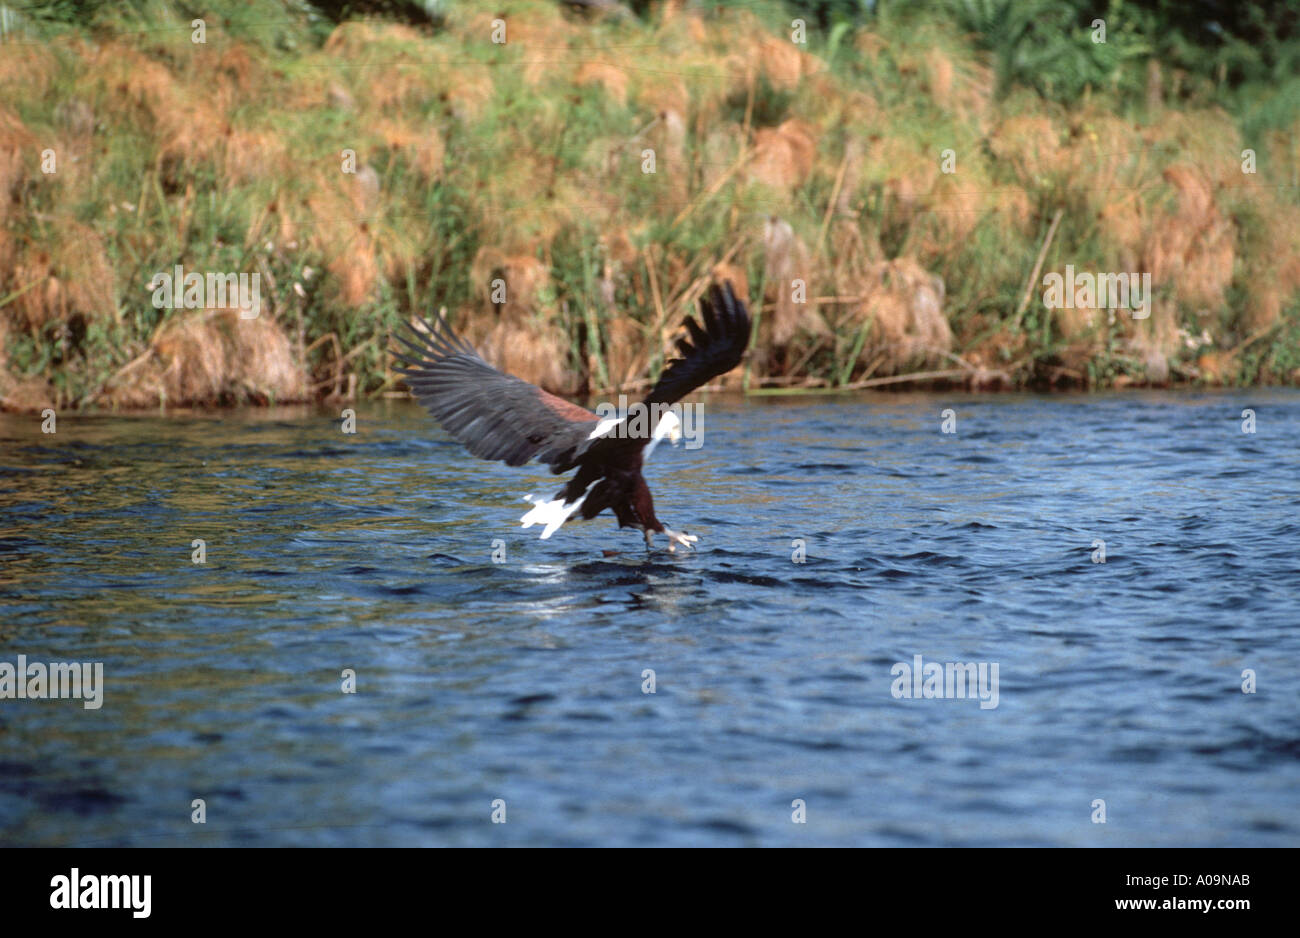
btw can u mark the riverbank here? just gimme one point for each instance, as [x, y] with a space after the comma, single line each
[891, 208]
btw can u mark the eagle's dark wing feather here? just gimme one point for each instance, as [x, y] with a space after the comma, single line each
[496, 416]
[706, 352]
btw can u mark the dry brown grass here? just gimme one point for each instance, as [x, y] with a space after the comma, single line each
[16, 142]
[786, 260]
[783, 63]
[190, 126]
[356, 39]
[30, 395]
[783, 156]
[209, 356]
[906, 287]
[519, 336]
[1031, 143]
[668, 139]
[940, 75]
[658, 93]
[1271, 279]
[1192, 246]
[956, 204]
[541, 34]
[468, 98]
[522, 275]
[535, 352]
[423, 147]
[866, 152]
[901, 304]
[625, 345]
[603, 75]
[27, 68]
[1206, 138]
[73, 278]
[730, 273]
[1155, 342]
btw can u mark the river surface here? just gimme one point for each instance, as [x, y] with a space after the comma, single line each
[520, 688]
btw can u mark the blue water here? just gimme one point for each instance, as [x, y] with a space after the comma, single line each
[523, 681]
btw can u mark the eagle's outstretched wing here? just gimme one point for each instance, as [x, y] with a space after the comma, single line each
[496, 416]
[707, 352]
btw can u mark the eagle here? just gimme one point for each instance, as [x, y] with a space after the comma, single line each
[500, 417]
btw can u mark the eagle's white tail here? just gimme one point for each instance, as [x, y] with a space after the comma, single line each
[552, 514]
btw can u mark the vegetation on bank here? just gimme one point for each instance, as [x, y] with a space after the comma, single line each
[371, 167]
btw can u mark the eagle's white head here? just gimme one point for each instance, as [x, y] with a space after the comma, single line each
[669, 426]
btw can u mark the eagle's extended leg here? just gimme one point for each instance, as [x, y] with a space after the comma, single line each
[686, 540]
[674, 538]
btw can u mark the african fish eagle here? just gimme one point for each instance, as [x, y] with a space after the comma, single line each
[499, 416]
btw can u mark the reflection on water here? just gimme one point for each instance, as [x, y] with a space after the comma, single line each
[524, 680]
